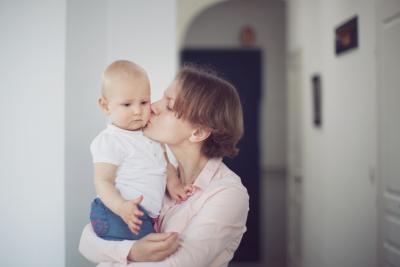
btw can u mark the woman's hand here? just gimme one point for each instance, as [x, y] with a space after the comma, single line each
[154, 247]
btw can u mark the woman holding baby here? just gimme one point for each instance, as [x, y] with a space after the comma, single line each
[200, 119]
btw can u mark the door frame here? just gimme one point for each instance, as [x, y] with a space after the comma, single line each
[384, 10]
[294, 158]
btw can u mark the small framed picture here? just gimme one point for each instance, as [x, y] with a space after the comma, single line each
[346, 36]
[317, 100]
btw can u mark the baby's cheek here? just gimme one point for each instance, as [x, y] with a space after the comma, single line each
[148, 113]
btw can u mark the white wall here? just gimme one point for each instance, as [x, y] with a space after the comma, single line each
[32, 65]
[186, 10]
[98, 32]
[339, 194]
[219, 27]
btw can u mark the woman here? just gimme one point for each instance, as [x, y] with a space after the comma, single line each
[200, 119]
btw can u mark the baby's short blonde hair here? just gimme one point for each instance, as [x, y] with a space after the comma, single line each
[121, 69]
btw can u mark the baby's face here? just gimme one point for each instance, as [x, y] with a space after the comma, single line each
[129, 103]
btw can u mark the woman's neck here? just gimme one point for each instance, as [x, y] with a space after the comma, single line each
[190, 163]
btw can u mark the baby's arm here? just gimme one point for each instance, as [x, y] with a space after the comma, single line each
[104, 179]
[175, 188]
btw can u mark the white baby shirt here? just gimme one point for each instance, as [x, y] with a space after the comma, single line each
[141, 165]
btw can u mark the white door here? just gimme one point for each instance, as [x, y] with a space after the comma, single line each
[388, 37]
[294, 176]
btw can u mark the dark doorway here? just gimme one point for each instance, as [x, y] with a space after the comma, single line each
[243, 68]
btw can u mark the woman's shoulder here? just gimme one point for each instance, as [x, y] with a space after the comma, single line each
[226, 174]
[227, 179]
[226, 194]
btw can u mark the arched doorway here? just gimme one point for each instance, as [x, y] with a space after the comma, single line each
[258, 71]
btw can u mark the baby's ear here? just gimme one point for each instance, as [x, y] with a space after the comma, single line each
[200, 134]
[103, 104]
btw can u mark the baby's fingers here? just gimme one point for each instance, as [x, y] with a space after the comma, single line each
[178, 196]
[182, 196]
[135, 220]
[189, 189]
[135, 228]
[137, 213]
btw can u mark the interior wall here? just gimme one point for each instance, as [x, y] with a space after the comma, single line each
[219, 27]
[339, 187]
[99, 32]
[32, 68]
[187, 10]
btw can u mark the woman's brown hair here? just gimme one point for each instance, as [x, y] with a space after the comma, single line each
[211, 102]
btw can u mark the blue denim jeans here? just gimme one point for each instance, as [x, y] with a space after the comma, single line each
[110, 226]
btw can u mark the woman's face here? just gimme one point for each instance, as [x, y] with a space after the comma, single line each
[163, 125]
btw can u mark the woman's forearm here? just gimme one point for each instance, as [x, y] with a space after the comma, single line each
[154, 247]
[98, 250]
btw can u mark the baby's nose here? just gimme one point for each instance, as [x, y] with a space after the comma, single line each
[137, 110]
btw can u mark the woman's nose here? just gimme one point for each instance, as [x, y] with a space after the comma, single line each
[155, 107]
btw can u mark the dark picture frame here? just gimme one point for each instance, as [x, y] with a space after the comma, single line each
[346, 36]
[317, 100]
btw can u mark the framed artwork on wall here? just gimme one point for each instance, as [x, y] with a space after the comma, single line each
[346, 36]
[316, 100]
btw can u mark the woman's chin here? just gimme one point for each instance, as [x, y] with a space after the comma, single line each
[147, 131]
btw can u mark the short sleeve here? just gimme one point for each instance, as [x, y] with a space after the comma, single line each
[106, 148]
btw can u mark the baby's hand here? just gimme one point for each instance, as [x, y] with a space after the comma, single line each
[130, 213]
[189, 190]
[178, 191]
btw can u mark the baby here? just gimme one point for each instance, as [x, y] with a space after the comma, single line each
[129, 169]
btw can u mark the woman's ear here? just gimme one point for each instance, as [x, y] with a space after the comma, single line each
[103, 104]
[199, 135]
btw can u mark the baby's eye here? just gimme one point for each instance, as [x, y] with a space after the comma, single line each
[144, 102]
[126, 104]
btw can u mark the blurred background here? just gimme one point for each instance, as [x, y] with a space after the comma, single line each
[319, 81]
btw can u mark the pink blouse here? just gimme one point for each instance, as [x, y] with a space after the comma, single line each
[210, 224]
